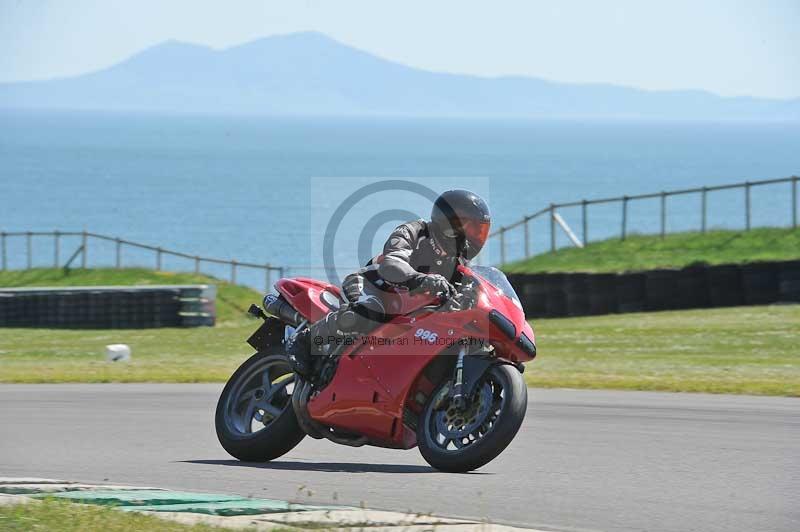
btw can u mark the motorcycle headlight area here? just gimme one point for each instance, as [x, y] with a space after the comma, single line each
[505, 325]
[527, 345]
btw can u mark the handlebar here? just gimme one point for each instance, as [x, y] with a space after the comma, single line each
[454, 302]
[442, 300]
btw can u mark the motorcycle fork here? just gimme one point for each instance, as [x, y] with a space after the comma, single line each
[456, 392]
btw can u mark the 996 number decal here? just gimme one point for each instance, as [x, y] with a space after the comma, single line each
[427, 335]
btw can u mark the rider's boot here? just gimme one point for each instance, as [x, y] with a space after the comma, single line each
[299, 352]
[307, 348]
[308, 345]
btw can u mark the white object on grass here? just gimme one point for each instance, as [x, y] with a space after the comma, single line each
[118, 353]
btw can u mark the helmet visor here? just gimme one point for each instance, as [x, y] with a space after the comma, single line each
[476, 232]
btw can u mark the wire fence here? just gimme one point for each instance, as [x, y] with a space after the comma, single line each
[80, 256]
[87, 247]
[550, 213]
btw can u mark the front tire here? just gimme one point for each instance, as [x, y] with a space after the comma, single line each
[459, 441]
[255, 420]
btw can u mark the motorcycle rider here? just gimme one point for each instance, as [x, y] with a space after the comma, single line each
[419, 255]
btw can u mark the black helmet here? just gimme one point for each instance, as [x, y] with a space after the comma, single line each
[460, 222]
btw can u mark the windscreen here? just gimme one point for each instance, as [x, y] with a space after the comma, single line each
[499, 280]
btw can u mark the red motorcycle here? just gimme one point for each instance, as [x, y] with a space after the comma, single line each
[444, 374]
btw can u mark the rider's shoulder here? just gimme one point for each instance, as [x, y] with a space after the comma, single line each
[414, 227]
[420, 226]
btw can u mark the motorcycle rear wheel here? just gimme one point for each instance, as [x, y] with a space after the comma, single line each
[458, 441]
[255, 421]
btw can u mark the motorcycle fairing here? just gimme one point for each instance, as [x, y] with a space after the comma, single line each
[492, 299]
[378, 379]
[305, 295]
[369, 390]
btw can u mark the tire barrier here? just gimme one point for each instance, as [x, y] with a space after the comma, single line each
[536, 294]
[660, 288]
[725, 285]
[631, 292]
[533, 295]
[555, 297]
[696, 286]
[760, 282]
[602, 288]
[789, 285]
[577, 293]
[108, 307]
[692, 288]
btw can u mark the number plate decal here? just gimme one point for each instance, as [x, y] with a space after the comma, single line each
[426, 335]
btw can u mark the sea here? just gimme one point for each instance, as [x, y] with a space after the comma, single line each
[308, 193]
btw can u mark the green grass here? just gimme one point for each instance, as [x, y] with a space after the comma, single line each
[751, 350]
[747, 350]
[640, 252]
[50, 515]
[201, 354]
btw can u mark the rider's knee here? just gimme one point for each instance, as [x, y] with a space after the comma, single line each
[362, 316]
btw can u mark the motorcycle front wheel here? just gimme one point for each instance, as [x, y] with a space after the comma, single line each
[458, 441]
[255, 420]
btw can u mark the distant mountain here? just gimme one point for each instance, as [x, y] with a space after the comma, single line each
[311, 74]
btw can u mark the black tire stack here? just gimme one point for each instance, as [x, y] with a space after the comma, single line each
[631, 292]
[576, 288]
[108, 307]
[692, 287]
[555, 296]
[789, 281]
[533, 294]
[760, 283]
[602, 289]
[696, 286]
[660, 287]
[725, 285]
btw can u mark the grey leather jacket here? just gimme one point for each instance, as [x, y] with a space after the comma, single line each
[408, 255]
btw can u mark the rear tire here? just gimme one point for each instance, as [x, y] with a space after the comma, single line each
[458, 442]
[255, 420]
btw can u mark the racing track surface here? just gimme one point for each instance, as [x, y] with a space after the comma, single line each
[584, 460]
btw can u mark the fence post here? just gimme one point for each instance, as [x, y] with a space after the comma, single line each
[747, 205]
[502, 246]
[268, 276]
[584, 223]
[158, 259]
[552, 227]
[794, 201]
[663, 214]
[28, 251]
[84, 248]
[196, 264]
[624, 216]
[119, 253]
[56, 247]
[233, 272]
[703, 210]
[3, 249]
[527, 236]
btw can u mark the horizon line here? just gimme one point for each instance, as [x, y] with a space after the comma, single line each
[392, 61]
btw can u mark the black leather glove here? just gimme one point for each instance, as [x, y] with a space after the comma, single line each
[352, 286]
[435, 284]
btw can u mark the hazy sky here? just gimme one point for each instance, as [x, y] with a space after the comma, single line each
[731, 47]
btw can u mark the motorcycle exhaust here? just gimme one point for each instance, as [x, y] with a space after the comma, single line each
[282, 310]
